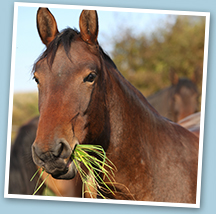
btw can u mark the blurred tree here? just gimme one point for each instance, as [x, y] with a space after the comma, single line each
[146, 60]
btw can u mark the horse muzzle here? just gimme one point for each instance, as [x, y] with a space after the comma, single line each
[56, 160]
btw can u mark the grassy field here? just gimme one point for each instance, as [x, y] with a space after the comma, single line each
[25, 107]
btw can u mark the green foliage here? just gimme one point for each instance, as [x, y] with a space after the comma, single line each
[146, 60]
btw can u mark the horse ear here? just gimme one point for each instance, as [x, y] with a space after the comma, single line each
[173, 77]
[46, 25]
[88, 24]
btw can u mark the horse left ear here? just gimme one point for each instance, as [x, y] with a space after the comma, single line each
[46, 25]
[88, 23]
[197, 75]
[173, 77]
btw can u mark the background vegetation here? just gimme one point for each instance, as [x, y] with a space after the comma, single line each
[146, 60]
[25, 107]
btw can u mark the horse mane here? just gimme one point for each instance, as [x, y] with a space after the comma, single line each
[65, 38]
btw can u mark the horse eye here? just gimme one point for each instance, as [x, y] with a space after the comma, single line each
[90, 78]
[36, 80]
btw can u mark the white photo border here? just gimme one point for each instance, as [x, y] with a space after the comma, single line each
[203, 101]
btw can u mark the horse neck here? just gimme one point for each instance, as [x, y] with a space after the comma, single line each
[129, 111]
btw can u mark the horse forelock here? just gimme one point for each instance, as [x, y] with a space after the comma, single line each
[64, 38]
[184, 82]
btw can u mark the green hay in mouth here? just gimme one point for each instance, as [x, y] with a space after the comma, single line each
[97, 168]
[36, 186]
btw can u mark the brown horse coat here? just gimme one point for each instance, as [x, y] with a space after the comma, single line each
[84, 99]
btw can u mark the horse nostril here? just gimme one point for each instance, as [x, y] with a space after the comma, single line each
[58, 150]
[62, 149]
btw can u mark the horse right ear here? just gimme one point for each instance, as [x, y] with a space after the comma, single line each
[173, 77]
[46, 25]
[88, 24]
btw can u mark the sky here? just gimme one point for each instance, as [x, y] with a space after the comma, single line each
[28, 45]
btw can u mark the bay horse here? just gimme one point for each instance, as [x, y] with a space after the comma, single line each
[178, 100]
[22, 168]
[84, 99]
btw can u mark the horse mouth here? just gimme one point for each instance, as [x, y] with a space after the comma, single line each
[57, 167]
[69, 162]
[69, 172]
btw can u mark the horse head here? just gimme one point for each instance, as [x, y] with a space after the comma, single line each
[67, 75]
[185, 96]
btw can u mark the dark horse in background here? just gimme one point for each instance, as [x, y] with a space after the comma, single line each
[83, 99]
[178, 100]
[22, 168]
